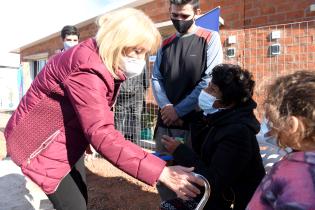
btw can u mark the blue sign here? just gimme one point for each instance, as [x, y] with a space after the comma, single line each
[210, 20]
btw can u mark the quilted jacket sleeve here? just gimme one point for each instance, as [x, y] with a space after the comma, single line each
[87, 90]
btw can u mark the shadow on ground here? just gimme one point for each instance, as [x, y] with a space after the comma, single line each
[10, 192]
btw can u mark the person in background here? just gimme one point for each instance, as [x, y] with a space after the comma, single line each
[70, 37]
[289, 110]
[181, 70]
[269, 149]
[129, 106]
[69, 106]
[225, 148]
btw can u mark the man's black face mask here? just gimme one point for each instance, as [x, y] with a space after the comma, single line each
[182, 26]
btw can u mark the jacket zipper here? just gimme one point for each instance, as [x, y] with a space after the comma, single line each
[43, 146]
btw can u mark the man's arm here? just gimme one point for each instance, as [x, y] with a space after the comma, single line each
[214, 57]
[158, 84]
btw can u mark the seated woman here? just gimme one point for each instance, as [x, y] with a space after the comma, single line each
[224, 141]
[289, 109]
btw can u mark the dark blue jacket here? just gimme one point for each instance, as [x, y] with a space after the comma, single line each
[226, 152]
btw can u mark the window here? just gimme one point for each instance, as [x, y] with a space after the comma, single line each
[37, 66]
[37, 62]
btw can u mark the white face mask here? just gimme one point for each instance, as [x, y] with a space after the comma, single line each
[206, 101]
[69, 44]
[132, 66]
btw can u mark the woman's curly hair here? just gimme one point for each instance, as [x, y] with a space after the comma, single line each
[293, 95]
[236, 84]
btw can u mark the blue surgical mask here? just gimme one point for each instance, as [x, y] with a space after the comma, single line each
[69, 44]
[206, 102]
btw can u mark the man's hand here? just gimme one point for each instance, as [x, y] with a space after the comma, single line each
[179, 122]
[180, 179]
[168, 114]
[170, 143]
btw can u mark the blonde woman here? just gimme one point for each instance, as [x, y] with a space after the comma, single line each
[68, 107]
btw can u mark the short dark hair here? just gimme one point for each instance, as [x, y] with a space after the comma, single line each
[194, 3]
[69, 30]
[236, 84]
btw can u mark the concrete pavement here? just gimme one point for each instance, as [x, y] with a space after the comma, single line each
[16, 191]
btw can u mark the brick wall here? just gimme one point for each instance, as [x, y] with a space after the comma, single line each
[52, 45]
[269, 12]
[297, 51]
[250, 21]
[232, 10]
[88, 31]
[237, 14]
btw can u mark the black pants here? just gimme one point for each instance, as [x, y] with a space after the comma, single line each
[71, 194]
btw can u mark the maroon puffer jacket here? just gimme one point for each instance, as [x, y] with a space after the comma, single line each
[67, 107]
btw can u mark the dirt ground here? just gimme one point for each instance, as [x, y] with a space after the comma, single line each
[109, 188]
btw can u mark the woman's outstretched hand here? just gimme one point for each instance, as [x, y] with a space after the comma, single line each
[180, 180]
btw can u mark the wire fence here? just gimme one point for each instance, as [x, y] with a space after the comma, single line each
[267, 52]
[271, 51]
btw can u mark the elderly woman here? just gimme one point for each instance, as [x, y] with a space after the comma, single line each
[69, 106]
[226, 151]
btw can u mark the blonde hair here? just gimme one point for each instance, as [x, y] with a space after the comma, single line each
[293, 95]
[123, 29]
